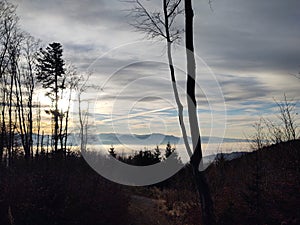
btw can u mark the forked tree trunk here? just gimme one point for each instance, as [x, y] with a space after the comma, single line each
[199, 176]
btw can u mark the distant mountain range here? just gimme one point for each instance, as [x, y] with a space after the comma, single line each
[138, 139]
[144, 139]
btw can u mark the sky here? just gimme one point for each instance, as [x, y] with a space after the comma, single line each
[248, 54]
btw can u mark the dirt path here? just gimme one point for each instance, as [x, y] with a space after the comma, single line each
[144, 211]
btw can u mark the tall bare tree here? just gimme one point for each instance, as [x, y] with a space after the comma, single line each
[8, 22]
[161, 25]
[201, 182]
[83, 114]
[288, 118]
[10, 39]
[25, 85]
[73, 82]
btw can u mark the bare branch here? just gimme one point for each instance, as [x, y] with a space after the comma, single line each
[154, 24]
[288, 117]
[174, 7]
[146, 22]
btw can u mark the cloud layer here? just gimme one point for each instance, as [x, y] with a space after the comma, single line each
[252, 47]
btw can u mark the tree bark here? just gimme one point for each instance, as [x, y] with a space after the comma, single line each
[173, 79]
[199, 176]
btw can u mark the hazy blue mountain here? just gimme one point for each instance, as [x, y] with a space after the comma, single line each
[137, 139]
[149, 139]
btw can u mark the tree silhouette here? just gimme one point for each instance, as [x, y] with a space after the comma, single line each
[24, 92]
[161, 25]
[169, 150]
[112, 152]
[51, 75]
[202, 185]
[10, 47]
[157, 153]
[288, 118]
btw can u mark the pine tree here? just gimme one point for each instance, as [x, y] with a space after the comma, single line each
[157, 154]
[112, 152]
[50, 74]
[169, 150]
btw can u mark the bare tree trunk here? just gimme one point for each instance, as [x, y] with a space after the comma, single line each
[38, 125]
[82, 124]
[56, 116]
[10, 121]
[47, 149]
[3, 135]
[81, 86]
[173, 78]
[42, 141]
[61, 134]
[30, 50]
[161, 25]
[201, 183]
[67, 122]
[8, 21]
[22, 122]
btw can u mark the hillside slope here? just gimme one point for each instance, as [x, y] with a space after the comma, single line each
[261, 187]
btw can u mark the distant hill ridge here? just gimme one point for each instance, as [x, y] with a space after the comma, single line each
[148, 139]
[137, 139]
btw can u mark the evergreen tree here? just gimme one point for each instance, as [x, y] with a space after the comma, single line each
[157, 154]
[112, 152]
[50, 74]
[169, 150]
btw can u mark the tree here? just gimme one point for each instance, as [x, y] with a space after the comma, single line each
[9, 50]
[288, 118]
[81, 88]
[161, 25]
[24, 91]
[17, 50]
[285, 128]
[50, 74]
[276, 135]
[142, 158]
[72, 82]
[171, 155]
[8, 23]
[202, 185]
[112, 152]
[169, 150]
[259, 139]
[157, 153]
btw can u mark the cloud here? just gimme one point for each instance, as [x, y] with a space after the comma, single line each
[251, 46]
[249, 35]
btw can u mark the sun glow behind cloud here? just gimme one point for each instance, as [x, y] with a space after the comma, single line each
[64, 104]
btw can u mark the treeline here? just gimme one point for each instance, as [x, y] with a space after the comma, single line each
[27, 70]
[61, 192]
[147, 157]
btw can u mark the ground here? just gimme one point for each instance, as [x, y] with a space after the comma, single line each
[145, 211]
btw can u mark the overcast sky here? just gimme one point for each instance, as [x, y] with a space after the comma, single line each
[250, 49]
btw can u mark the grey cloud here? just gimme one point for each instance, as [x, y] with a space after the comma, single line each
[242, 88]
[98, 14]
[250, 35]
